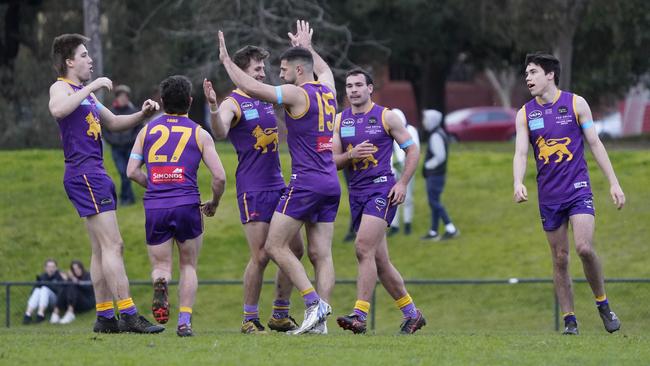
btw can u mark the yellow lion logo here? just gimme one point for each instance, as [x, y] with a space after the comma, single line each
[553, 146]
[365, 161]
[94, 129]
[265, 137]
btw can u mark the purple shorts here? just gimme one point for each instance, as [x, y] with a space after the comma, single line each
[553, 216]
[308, 206]
[258, 206]
[374, 204]
[91, 194]
[181, 223]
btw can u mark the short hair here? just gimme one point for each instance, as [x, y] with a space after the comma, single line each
[63, 48]
[50, 260]
[243, 57]
[547, 62]
[298, 54]
[360, 71]
[175, 93]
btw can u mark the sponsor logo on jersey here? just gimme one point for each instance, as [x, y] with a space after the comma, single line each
[372, 121]
[167, 174]
[382, 179]
[380, 203]
[323, 143]
[534, 114]
[348, 122]
[582, 184]
[247, 105]
[563, 109]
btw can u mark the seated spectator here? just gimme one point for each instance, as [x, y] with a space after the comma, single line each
[78, 297]
[43, 296]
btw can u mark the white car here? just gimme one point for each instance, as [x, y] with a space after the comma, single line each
[610, 126]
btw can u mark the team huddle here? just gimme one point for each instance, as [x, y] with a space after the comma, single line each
[321, 141]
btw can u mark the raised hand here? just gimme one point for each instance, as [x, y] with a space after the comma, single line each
[209, 92]
[99, 83]
[149, 107]
[223, 51]
[303, 35]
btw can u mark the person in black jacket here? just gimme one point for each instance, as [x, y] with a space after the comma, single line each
[76, 297]
[43, 296]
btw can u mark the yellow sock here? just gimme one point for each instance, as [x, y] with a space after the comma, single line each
[363, 306]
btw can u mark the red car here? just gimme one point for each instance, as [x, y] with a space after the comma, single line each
[481, 124]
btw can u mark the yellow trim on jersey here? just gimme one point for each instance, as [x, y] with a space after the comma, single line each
[575, 110]
[91, 194]
[176, 115]
[337, 122]
[237, 112]
[372, 105]
[144, 133]
[523, 108]
[68, 81]
[241, 92]
[197, 131]
[246, 208]
[555, 99]
[306, 110]
[315, 82]
[287, 201]
[383, 120]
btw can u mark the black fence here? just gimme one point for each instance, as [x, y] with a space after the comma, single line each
[409, 282]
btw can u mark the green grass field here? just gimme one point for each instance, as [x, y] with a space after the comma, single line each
[468, 324]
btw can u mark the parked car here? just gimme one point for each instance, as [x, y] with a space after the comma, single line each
[610, 126]
[481, 124]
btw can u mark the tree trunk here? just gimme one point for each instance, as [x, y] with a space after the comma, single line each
[91, 29]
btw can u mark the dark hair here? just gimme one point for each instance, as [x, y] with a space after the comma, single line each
[50, 260]
[244, 56]
[63, 48]
[360, 71]
[175, 93]
[547, 62]
[298, 53]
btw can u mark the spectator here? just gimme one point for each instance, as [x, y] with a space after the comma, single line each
[43, 296]
[121, 142]
[434, 171]
[78, 297]
[397, 167]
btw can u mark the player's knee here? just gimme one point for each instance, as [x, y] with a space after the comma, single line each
[364, 248]
[113, 248]
[561, 260]
[584, 250]
[260, 258]
[298, 251]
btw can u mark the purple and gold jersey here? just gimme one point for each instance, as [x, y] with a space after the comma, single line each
[556, 136]
[81, 135]
[254, 135]
[172, 154]
[372, 173]
[310, 142]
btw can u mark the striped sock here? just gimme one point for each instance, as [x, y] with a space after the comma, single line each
[281, 309]
[126, 306]
[601, 300]
[251, 312]
[361, 308]
[569, 317]
[105, 309]
[309, 296]
[406, 305]
[185, 315]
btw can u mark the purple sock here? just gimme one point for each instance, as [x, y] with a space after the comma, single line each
[410, 311]
[184, 318]
[251, 312]
[108, 314]
[310, 298]
[361, 314]
[281, 309]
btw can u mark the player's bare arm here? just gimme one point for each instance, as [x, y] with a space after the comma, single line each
[302, 38]
[293, 96]
[221, 116]
[401, 135]
[63, 100]
[598, 151]
[136, 160]
[519, 160]
[127, 121]
[212, 161]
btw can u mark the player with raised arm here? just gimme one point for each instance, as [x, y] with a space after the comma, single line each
[556, 123]
[89, 188]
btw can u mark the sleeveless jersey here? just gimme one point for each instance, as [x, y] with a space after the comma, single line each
[81, 135]
[172, 154]
[310, 142]
[374, 172]
[556, 136]
[254, 136]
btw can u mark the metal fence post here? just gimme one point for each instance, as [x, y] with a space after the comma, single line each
[8, 304]
[557, 314]
[373, 307]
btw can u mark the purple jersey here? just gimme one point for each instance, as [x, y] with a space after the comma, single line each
[172, 155]
[310, 142]
[555, 134]
[255, 138]
[372, 173]
[81, 134]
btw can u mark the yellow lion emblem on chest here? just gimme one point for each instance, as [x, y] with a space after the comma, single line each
[365, 161]
[94, 129]
[265, 137]
[549, 147]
